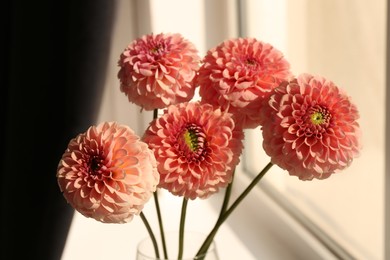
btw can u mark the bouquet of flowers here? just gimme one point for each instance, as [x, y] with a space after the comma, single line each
[309, 128]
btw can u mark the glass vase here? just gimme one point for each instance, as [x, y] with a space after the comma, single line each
[191, 245]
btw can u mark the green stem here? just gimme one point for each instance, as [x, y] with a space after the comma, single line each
[150, 234]
[181, 228]
[160, 223]
[226, 199]
[157, 205]
[206, 244]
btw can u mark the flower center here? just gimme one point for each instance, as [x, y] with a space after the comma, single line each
[191, 142]
[95, 165]
[249, 65]
[191, 139]
[156, 48]
[315, 121]
[317, 118]
[251, 62]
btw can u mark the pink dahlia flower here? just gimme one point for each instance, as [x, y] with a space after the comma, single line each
[108, 173]
[311, 128]
[238, 74]
[197, 149]
[158, 70]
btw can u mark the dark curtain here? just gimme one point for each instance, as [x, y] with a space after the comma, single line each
[54, 56]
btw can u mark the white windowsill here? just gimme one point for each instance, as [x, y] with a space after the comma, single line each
[91, 240]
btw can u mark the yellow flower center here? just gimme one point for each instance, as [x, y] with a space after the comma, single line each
[191, 139]
[191, 143]
[317, 118]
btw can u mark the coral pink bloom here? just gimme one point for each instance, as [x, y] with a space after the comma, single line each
[158, 70]
[108, 173]
[238, 74]
[197, 149]
[311, 128]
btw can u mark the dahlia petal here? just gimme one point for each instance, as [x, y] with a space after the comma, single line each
[316, 149]
[164, 69]
[296, 144]
[195, 172]
[310, 141]
[95, 158]
[292, 128]
[77, 200]
[165, 100]
[164, 86]
[171, 164]
[84, 192]
[245, 85]
[287, 121]
[75, 156]
[194, 145]
[171, 79]
[226, 73]
[222, 141]
[119, 198]
[90, 207]
[108, 207]
[133, 176]
[305, 142]
[241, 82]
[334, 143]
[124, 161]
[301, 151]
[170, 178]
[154, 68]
[78, 183]
[118, 174]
